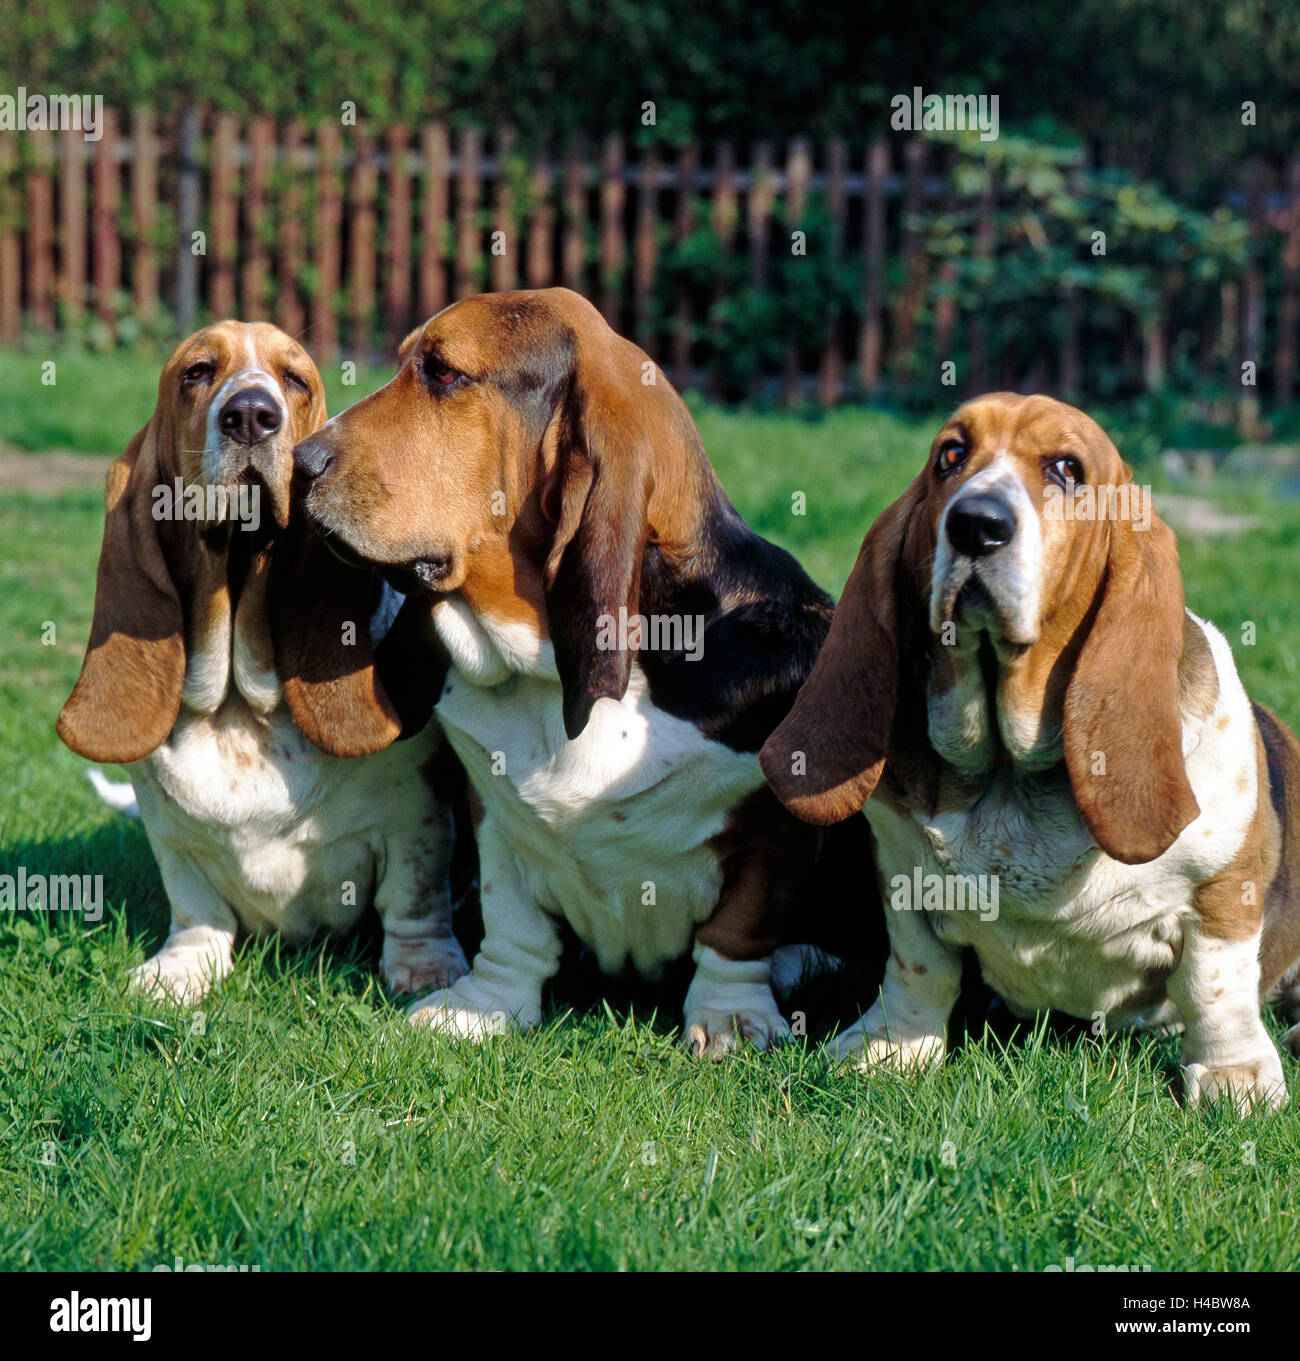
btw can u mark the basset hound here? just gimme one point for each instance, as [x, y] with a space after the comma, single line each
[230, 668]
[621, 643]
[1015, 690]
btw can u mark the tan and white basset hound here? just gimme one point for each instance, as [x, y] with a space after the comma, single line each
[1015, 690]
[230, 667]
[621, 644]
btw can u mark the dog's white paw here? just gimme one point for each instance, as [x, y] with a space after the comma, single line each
[413, 966]
[715, 1034]
[470, 1012]
[868, 1046]
[181, 980]
[730, 1002]
[1255, 1083]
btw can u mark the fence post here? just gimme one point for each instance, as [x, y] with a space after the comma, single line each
[871, 337]
[144, 208]
[541, 226]
[72, 229]
[434, 150]
[468, 241]
[261, 140]
[683, 225]
[187, 219]
[644, 252]
[1288, 316]
[10, 249]
[107, 247]
[505, 262]
[574, 251]
[224, 245]
[612, 197]
[288, 305]
[397, 306]
[798, 175]
[914, 271]
[979, 329]
[830, 379]
[1252, 313]
[361, 229]
[725, 219]
[329, 225]
[40, 231]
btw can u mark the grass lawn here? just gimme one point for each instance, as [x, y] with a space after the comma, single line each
[299, 1123]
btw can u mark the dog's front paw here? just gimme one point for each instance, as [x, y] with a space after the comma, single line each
[177, 980]
[470, 1012]
[869, 1046]
[415, 966]
[1256, 1083]
[730, 1002]
[715, 1034]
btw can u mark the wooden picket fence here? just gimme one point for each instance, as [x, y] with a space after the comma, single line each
[350, 237]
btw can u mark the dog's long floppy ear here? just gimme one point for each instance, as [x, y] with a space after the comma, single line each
[1123, 724]
[825, 758]
[604, 479]
[126, 699]
[320, 625]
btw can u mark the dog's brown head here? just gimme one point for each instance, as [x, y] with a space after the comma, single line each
[523, 456]
[1026, 531]
[188, 585]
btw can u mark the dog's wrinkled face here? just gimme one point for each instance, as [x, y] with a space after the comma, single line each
[242, 395]
[420, 475]
[1013, 527]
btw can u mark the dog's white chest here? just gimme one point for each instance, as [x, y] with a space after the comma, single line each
[286, 835]
[612, 830]
[1055, 923]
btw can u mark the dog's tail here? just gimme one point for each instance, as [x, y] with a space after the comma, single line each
[117, 795]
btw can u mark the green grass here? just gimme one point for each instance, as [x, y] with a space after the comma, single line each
[299, 1123]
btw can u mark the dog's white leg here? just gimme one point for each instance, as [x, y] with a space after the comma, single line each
[1227, 1051]
[199, 949]
[730, 1000]
[907, 1025]
[414, 903]
[520, 951]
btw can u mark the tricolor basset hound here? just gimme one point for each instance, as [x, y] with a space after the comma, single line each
[1014, 689]
[230, 667]
[621, 645]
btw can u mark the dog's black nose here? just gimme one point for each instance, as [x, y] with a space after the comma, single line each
[311, 458]
[250, 416]
[979, 525]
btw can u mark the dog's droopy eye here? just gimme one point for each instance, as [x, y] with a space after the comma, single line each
[438, 373]
[952, 454]
[296, 380]
[199, 375]
[1063, 469]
